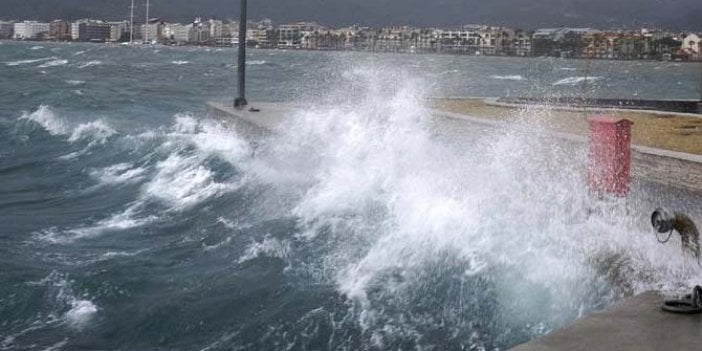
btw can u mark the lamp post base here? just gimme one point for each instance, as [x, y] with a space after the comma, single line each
[240, 103]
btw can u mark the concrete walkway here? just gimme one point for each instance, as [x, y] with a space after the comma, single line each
[637, 324]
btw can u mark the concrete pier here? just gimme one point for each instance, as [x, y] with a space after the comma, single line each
[266, 118]
[637, 324]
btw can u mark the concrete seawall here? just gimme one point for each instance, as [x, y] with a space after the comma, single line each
[669, 168]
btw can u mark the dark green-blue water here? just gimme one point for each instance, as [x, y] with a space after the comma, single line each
[132, 220]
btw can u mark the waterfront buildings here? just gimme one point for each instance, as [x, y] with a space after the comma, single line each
[476, 39]
[119, 31]
[90, 30]
[290, 35]
[177, 33]
[7, 29]
[59, 30]
[30, 30]
[153, 31]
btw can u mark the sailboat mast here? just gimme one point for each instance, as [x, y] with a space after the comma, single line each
[146, 26]
[131, 24]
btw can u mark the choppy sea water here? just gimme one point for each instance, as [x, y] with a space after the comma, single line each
[130, 219]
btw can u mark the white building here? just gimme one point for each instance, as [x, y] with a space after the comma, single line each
[75, 30]
[118, 29]
[290, 35]
[216, 28]
[29, 30]
[692, 46]
[152, 31]
[178, 33]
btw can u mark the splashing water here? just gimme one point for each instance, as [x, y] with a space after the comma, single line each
[477, 242]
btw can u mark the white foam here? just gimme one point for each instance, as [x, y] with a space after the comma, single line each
[575, 80]
[89, 64]
[78, 311]
[122, 173]
[57, 346]
[509, 77]
[181, 182]
[54, 63]
[118, 222]
[46, 117]
[98, 131]
[256, 62]
[128, 219]
[113, 254]
[80, 314]
[210, 137]
[24, 62]
[75, 82]
[269, 247]
[37, 47]
[78, 53]
[179, 63]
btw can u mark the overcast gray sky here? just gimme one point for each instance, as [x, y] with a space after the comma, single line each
[676, 14]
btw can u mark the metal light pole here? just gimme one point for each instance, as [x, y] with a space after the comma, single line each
[240, 101]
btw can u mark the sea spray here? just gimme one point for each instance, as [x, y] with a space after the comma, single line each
[503, 228]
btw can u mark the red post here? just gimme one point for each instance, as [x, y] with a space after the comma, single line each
[610, 155]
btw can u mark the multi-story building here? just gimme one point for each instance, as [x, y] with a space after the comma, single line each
[259, 34]
[562, 42]
[200, 32]
[59, 30]
[466, 40]
[91, 30]
[600, 45]
[153, 31]
[30, 30]
[177, 33]
[216, 28]
[521, 44]
[7, 29]
[119, 31]
[290, 35]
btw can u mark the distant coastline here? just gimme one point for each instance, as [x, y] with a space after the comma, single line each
[473, 40]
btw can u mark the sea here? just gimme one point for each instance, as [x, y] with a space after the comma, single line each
[131, 219]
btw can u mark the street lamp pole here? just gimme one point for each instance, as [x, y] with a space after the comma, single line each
[240, 101]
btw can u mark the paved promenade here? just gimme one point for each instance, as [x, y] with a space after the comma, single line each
[637, 324]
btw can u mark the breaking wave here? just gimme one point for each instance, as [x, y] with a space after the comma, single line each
[511, 77]
[575, 80]
[54, 63]
[66, 308]
[89, 64]
[24, 62]
[96, 131]
[184, 179]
